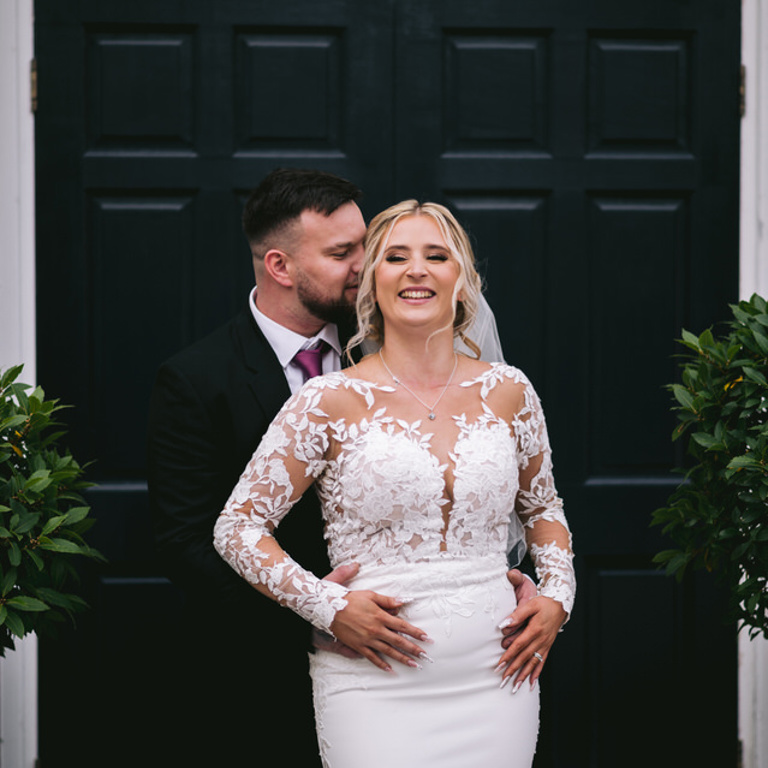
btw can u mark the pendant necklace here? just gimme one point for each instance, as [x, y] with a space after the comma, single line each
[412, 393]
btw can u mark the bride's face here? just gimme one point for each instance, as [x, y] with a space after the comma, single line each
[416, 278]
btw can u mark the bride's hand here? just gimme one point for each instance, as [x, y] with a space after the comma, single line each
[541, 619]
[369, 625]
[322, 641]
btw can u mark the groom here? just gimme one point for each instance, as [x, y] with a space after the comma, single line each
[241, 686]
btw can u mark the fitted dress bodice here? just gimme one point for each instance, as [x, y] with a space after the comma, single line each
[395, 490]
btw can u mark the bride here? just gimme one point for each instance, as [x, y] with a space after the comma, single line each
[424, 460]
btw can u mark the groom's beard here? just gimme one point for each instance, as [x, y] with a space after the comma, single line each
[338, 310]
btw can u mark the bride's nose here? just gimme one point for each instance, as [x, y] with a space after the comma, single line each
[417, 267]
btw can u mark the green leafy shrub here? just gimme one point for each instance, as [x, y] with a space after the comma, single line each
[718, 517]
[42, 515]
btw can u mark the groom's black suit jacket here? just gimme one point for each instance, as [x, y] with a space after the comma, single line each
[240, 659]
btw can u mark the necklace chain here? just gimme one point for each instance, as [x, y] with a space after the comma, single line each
[413, 394]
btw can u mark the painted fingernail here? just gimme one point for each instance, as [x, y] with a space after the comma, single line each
[424, 656]
[427, 639]
[500, 668]
[517, 686]
[505, 681]
[508, 622]
[414, 664]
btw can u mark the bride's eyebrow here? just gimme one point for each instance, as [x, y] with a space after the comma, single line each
[428, 247]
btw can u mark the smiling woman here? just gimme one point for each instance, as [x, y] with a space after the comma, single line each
[417, 278]
[395, 234]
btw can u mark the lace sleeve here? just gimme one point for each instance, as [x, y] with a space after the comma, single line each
[540, 508]
[291, 455]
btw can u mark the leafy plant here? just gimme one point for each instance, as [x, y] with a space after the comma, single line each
[42, 515]
[718, 517]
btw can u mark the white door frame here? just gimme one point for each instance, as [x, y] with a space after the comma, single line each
[753, 278]
[18, 672]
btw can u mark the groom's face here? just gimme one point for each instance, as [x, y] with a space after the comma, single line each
[327, 259]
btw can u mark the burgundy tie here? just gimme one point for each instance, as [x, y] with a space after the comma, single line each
[310, 361]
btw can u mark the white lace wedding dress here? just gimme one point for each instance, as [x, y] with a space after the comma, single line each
[429, 509]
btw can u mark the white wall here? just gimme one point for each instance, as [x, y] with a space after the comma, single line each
[18, 671]
[753, 656]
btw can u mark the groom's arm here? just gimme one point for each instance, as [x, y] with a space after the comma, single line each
[188, 485]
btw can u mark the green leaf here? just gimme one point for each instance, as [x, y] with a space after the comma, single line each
[36, 559]
[52, 597]
[25, 603]
[690, 339]
[61, 545]
[53, 524]
[706, 339]
[677, 564]
[762, 342]
[664, 556]
[740, 462]
[740, 315]
[707, 441]
[26, 523]
[683, 396]
[14, 624]
[10, 375]
[38, 481]
[77, 514]
[8, 581]
[14, 554]
[12, 421]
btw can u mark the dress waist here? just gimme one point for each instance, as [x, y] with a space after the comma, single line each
[425, 577]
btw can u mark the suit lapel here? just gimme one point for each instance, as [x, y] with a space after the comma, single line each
[266, 378]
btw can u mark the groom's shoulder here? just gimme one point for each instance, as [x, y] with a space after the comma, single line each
[218, 353]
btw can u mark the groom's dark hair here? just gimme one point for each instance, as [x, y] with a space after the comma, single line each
[286, 193]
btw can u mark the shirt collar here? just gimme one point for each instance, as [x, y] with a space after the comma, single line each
[285, 342]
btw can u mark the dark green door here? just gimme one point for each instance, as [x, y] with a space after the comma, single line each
[591, 149]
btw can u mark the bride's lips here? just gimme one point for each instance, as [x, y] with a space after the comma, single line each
[416, 294]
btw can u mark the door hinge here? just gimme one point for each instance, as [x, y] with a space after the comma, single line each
[743, 91]
[33, 85]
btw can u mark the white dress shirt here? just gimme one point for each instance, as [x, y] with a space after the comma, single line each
[286, 343]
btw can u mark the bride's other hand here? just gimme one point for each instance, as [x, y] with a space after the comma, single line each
[322, 641]
[524, 658]
[369, 625]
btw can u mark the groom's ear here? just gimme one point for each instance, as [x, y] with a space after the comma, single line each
[277, 265]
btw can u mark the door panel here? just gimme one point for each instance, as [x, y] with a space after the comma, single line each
[592, 152]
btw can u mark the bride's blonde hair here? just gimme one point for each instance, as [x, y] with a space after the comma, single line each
[370, 322]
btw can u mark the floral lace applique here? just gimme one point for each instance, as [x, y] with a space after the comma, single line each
[383, 491]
